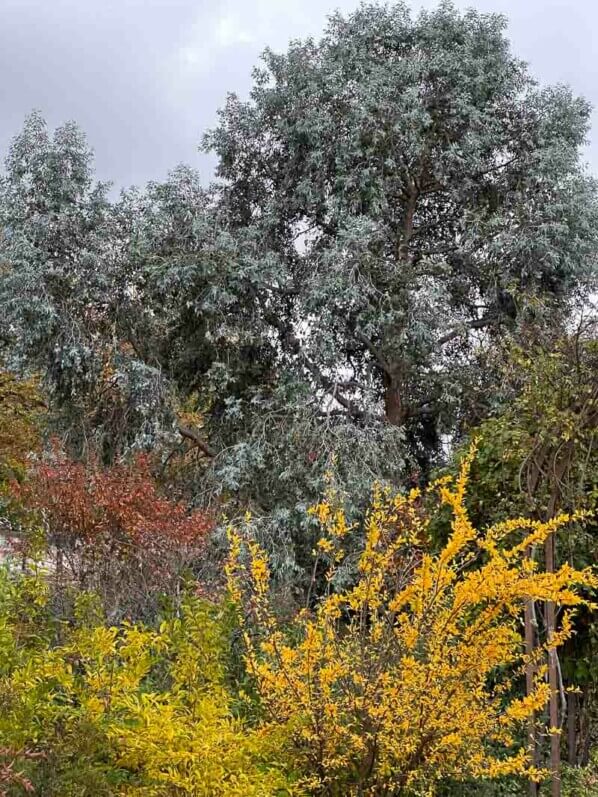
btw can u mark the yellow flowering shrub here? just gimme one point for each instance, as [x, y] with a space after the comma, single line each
[408, 676]
[92, 710]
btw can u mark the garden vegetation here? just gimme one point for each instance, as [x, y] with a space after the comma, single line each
[298, 470]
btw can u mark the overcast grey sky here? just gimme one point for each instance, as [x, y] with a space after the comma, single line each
[144, 78]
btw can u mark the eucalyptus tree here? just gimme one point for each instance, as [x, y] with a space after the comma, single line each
[51, 220]
[417, 193]
[390, 200]
[63, 284]
[262, 438]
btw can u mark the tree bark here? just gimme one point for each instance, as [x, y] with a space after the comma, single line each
[553, 703]
[572, 728]
[530, 671]
[394, 408]
[584, 728]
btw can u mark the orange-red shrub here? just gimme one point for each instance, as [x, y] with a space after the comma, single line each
[112, 530]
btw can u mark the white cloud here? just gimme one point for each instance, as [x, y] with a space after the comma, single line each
[208, 38]
[230, 31]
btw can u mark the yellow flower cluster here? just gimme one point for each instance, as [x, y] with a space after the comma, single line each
[403, 679]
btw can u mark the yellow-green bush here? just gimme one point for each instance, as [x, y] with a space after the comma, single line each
[128, 711]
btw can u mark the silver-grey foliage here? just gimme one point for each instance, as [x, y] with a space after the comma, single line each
[64, 286]
[391, 201]
[416, 187]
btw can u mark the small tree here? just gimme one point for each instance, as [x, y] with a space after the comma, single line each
[406, 677]
[539, 455]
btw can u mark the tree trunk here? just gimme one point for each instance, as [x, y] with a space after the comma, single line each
[553, 665]
[394, 408]
[584, 727]
[553, 705]
[572, 728]
[530, 644]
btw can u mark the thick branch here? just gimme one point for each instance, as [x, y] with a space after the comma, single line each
[191, 434]
[478, 323]
[293, 343]
[374, 351]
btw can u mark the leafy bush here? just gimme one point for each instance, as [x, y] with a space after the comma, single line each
[581, 781]
[123, 711]
[111, 531]
[20, 414]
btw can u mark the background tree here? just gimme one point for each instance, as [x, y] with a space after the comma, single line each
[63, 284]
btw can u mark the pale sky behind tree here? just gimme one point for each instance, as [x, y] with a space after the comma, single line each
[144, 78]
